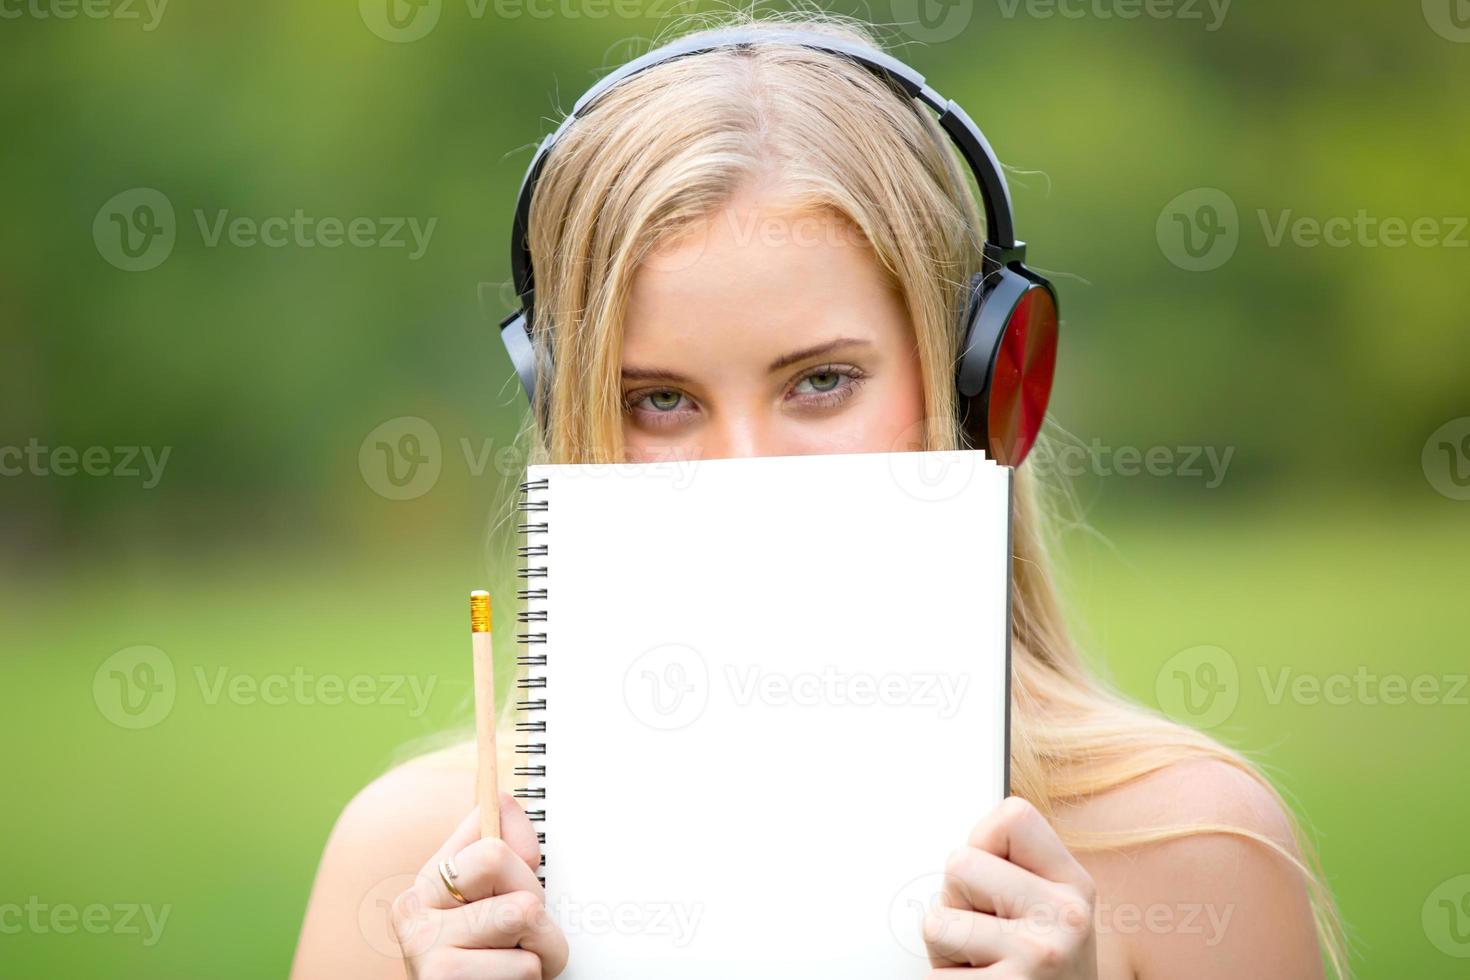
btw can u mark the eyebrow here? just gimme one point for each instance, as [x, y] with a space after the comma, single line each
[633, 373]
[816, 350]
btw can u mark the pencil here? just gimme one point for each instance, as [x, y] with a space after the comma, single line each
[487, 787]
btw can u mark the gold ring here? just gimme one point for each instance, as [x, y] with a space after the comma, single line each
[448, 875]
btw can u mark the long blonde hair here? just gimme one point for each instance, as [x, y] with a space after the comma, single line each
[671, 146]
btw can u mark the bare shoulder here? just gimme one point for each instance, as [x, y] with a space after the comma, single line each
[383, 837]
[1202, 791]
[1222, 902]
[417, 803]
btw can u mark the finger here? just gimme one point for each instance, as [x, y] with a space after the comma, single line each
[484, 869]
[484, 964]
[954, 937]
[465, 834]
[1016, 831]
[976, 880]
[517, 830]
[429, 891]
[517, 919]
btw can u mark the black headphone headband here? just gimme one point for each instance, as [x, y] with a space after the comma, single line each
[1001, 247]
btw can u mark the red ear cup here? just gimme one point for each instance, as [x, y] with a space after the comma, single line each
[1021, 376]
[1005, 373]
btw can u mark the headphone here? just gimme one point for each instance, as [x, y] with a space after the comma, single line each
[1009, 322]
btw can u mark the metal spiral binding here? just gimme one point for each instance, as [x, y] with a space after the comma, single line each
[531, 688]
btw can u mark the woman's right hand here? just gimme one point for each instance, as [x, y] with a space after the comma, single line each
[502, 931]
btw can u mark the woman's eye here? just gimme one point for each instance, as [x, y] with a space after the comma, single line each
[828, 385]
[659, 406]
[822, 380]
[664, 401]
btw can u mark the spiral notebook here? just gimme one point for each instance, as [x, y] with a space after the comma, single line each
[762, 700]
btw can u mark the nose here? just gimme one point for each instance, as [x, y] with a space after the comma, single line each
[737, 435]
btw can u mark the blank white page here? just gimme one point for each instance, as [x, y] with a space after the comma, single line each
[776, 700]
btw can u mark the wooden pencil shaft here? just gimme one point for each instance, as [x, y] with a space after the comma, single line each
[487, 788]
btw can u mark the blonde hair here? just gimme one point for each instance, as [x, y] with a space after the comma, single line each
[672, 145]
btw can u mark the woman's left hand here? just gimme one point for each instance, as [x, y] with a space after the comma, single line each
[1015, 900]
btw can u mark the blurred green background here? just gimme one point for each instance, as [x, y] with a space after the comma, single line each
[1172, 161]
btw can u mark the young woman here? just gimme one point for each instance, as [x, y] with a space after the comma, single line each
[761, 252]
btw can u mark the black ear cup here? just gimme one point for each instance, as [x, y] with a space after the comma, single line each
[1009, 361]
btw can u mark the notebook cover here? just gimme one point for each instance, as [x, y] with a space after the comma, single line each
[776, 697]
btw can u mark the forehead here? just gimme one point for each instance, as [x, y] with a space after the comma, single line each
[757, 274]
